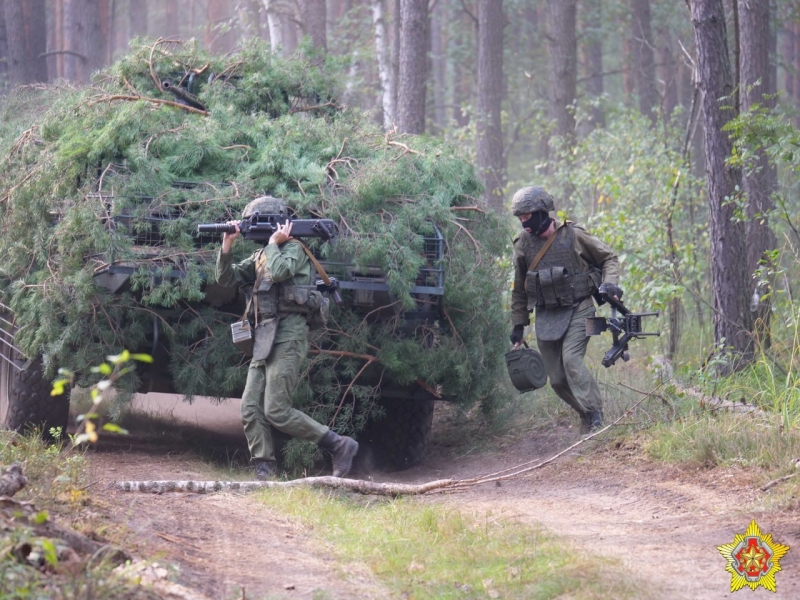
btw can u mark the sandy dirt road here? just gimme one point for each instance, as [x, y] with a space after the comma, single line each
[662, 524]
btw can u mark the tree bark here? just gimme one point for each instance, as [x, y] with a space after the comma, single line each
[787, 51]
[137, 17]
[413, 66]
[385, 70]
[273, 10]
[396, 20]
[17, 64]
[491, 165]
[438, 65]
[732, 321]
[12, 480]
[314, 22]
[3, 47]
[593, 55]
[83, 37]
[36, 39]
[760, 182]
[563, 45]
[645, 74]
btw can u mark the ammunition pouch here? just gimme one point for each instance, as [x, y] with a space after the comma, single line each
[556, 287]
[264, 338]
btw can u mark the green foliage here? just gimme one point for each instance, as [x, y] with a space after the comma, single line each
[88, 173]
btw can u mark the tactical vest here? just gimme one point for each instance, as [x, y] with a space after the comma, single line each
[558, 280]
[274, 299]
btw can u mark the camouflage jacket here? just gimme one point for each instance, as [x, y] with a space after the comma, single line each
[287, 262]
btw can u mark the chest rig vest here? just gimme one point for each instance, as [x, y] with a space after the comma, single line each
[269, 301]
[557, 283]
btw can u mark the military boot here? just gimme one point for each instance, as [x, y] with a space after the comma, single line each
[266, 469]
[343, 450]
[591, 421]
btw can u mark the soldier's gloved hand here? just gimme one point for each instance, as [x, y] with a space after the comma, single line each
[611, 289]
[516, 334]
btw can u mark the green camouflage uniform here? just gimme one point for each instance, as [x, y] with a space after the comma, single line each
[267, 397]
[561, 331]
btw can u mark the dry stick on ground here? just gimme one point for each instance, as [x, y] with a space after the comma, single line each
[775, 482]
[359, 486]
[153, 100]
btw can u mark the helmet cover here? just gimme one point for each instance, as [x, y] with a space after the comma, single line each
[266, 205]
[530, 200]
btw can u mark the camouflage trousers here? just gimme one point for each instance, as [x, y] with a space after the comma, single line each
[570, 379]
[267, 400]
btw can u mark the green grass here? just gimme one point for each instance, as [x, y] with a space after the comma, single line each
[419, 550]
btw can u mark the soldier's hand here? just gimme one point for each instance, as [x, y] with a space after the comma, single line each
[516, 335]
[611, 289]
[229, 238]
[282, 234]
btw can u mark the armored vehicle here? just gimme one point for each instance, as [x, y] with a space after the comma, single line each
[101, 250]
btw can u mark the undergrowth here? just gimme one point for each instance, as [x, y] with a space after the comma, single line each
[37, 567]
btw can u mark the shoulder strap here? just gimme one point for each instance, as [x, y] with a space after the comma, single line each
[261, 260]
[320, 270]
[546, 247]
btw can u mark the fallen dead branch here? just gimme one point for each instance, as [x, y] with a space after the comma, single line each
[775, 482]
[152, 100]
[364, 487]
[333, 483]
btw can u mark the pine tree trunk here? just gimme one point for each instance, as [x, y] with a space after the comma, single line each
[413, 66]
[384, 64]
[645, 73]
[36, 37]
[15, 35]
[137, 17]
[438, 64]
[563, 44]
[732, 322]
[314, 17]
[787, 51]
[593, 58]
[3, 47]
[274, 24]
[491, 164]
[84, 39]
[397, 17]
[759, 183]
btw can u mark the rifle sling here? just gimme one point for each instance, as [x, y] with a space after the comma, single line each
[545, 248]
[320, 270]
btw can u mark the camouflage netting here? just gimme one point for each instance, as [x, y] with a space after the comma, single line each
[74, 158]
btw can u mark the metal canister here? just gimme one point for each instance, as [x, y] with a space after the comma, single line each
[526, 369]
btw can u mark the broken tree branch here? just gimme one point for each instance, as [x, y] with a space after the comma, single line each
[12, 480]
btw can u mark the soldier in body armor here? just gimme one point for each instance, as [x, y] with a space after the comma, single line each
[558, 267]
[279, 271]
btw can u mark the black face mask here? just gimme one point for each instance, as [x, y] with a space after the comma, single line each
[538, 223]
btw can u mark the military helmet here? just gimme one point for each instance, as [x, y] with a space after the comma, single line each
[266, 205]
[531, 199]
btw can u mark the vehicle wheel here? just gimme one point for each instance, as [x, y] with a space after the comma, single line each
[398, 440]
[25, 400]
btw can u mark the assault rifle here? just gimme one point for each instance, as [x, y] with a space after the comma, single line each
[623, 329]
[259, 228]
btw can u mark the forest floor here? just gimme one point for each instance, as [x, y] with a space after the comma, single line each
[659, 524]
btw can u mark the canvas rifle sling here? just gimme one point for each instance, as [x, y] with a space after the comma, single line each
[260, 262]
[320, 270]
[546, 247]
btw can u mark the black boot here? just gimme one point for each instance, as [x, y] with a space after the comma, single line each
[586, 423]
[266, 469]
[342, 448]
[596, 417]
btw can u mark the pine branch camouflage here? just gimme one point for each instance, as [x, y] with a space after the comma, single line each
[94, 178]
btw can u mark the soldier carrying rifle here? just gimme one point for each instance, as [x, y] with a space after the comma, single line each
[284, 299]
